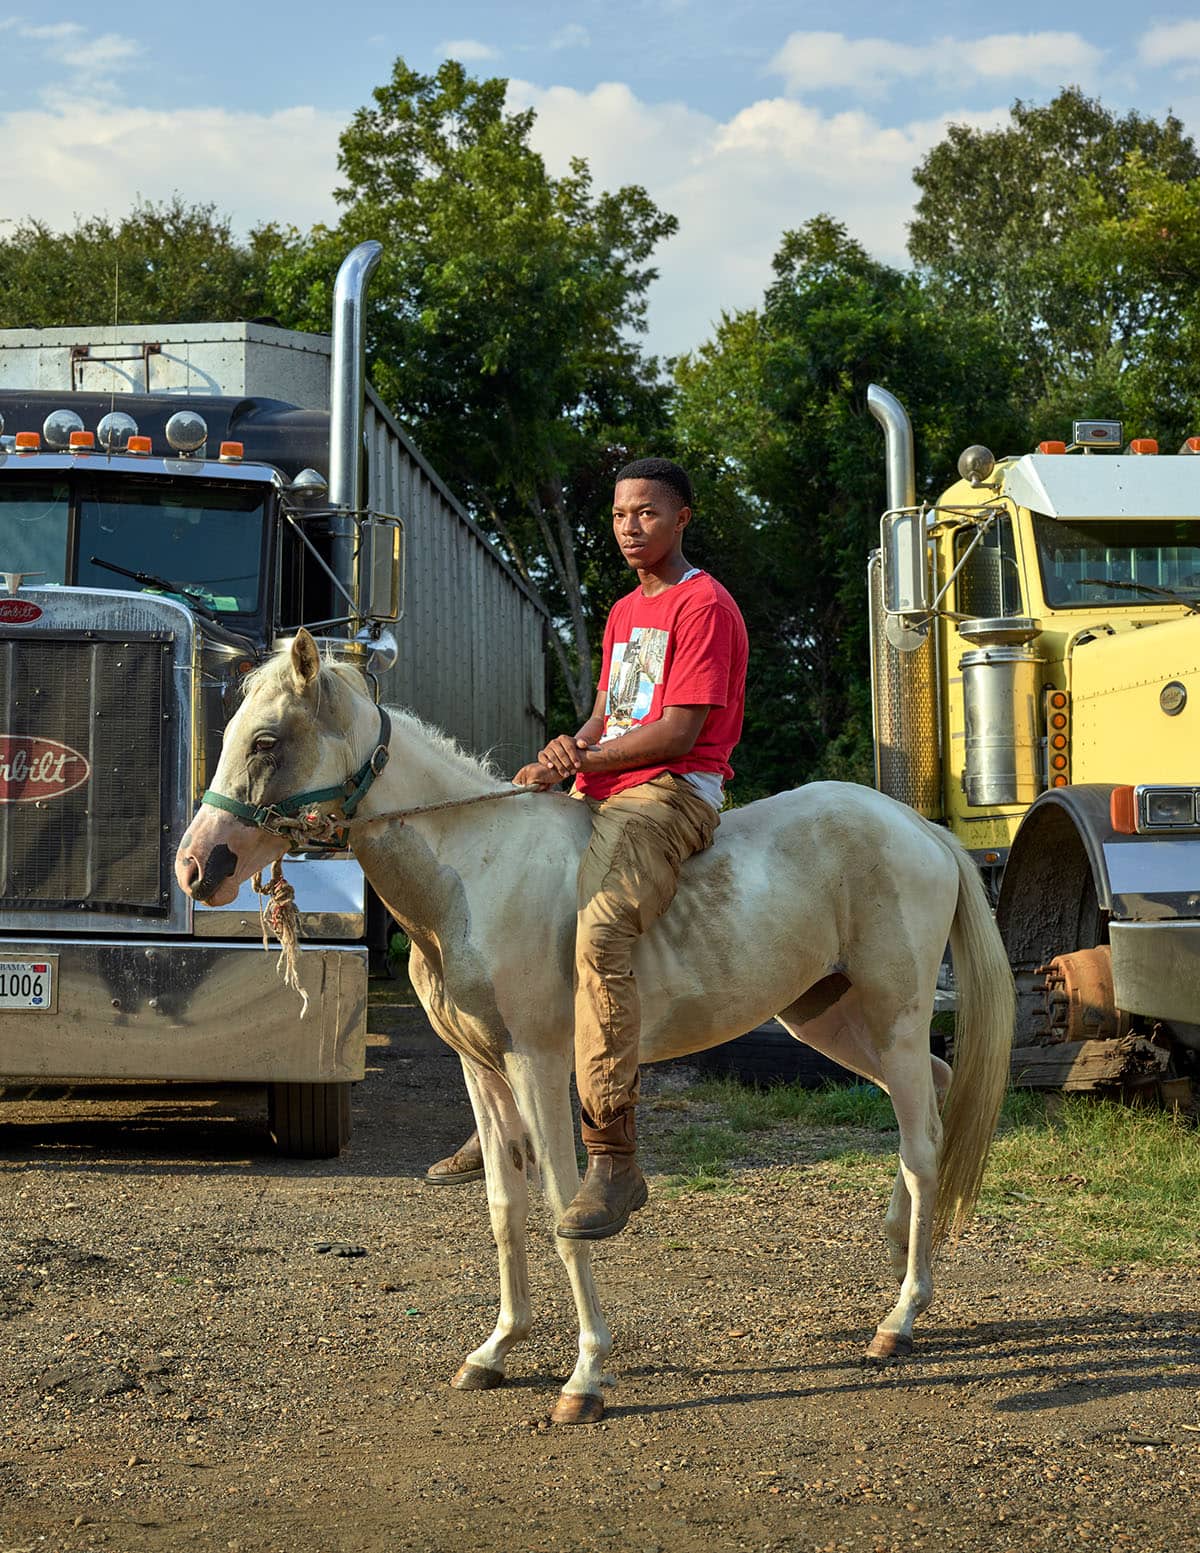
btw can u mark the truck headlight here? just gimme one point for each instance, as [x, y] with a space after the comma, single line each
[1167, 808]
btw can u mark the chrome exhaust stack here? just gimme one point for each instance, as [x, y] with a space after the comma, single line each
[898, 439]
[347, 375]
[347, 393]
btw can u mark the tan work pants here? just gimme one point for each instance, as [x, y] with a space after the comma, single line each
[627, 879]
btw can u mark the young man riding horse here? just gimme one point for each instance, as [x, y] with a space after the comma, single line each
[650, 763]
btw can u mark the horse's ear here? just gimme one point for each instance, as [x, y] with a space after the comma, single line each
[306, 660]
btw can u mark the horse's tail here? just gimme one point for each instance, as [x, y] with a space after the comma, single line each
[983, 1031]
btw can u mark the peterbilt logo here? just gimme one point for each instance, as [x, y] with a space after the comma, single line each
[19, 612]
[33, 769]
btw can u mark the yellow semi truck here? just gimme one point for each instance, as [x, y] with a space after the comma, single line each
[1035, 643]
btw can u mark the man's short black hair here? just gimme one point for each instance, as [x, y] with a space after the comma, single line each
[662, 470]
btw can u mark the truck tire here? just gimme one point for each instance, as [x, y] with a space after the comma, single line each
[1049, 905]
[309, 1121]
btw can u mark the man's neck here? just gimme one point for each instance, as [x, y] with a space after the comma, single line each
[670, 570]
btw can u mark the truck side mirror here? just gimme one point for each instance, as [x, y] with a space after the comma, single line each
[904, 557]
[381, 569]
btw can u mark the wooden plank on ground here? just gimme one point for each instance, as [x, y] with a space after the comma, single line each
[1086, 1064]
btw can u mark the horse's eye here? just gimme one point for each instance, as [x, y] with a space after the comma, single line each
[263, 744]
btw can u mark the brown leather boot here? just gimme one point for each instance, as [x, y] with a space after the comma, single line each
[612, 1187]
[465, 1164]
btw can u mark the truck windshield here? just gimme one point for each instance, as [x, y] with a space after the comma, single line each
[207, 540]
[34, 520]
[1108, 562]
[204, 540]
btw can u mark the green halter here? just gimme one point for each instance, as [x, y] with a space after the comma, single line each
[351, 792]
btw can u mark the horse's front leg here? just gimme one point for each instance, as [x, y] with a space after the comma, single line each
[503, 1136]
[542, 1086]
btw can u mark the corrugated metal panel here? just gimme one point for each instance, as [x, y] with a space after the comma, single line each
[471, 639]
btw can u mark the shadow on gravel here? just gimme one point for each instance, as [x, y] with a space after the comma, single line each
[409, 1110]
[1068, 1361]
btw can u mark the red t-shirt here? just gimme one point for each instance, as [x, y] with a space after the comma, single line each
[685, 646]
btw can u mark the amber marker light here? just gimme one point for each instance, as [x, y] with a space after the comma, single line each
[1122, 811]
[27, 442]
[1058, 738]
[232, 452]
[139, 446]
[82, 442]
[1143, 445]
[1191, 445]
[1052, 447]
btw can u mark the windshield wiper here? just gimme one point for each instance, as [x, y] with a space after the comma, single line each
[197, 600]
[1141, 587]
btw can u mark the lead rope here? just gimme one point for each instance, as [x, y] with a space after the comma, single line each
[277, 912]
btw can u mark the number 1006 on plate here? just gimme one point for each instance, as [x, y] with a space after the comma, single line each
[27, 986]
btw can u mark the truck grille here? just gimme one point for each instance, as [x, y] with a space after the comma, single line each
[83, 772]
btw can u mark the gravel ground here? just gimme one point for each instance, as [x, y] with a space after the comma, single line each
[182, 1368]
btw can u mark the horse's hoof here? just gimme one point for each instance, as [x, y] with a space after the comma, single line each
[887, 1347]
[476, 1377]
[587, 1408]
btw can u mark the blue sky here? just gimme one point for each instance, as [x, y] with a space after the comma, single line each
[741, 118]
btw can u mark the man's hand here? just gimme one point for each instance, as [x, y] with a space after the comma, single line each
[536, 775]
[563, 754]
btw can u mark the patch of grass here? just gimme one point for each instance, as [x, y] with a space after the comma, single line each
[1090, 1181]
[1107, 1183]
[698, 1156]
[746, 1109]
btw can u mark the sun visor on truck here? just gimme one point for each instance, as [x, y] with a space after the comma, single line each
[1104, 485]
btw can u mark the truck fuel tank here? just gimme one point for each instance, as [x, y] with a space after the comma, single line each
[1001, 683]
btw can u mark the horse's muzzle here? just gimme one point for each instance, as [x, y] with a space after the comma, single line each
[220, 864]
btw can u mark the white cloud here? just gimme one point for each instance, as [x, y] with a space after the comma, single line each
[737, 185]
[1172, 43]
[80, 61]
[88, 158]
[572, 36]
[53, 31]
[467, 50]
[830, 61]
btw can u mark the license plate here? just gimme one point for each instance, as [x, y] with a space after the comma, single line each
[28, 986]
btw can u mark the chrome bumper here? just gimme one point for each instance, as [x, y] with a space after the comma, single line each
[331, 897]
[1156, 968]
[187, 1010]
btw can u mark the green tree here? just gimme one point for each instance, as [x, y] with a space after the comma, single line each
[503, 324]
[1130, 268]
[162, 263]
[1007, 221]
[772, 415]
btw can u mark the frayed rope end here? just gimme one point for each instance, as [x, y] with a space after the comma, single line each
[277, 914]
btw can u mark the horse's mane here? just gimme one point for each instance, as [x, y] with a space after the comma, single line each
[468, 765]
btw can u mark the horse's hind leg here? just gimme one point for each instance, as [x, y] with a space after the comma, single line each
[906, 1076]
[839, 1031]
[545, 1101]
[503, 1137]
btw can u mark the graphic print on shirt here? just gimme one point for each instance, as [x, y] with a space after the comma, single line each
[634, 675]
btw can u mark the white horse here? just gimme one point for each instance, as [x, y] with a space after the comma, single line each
[828, 906]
